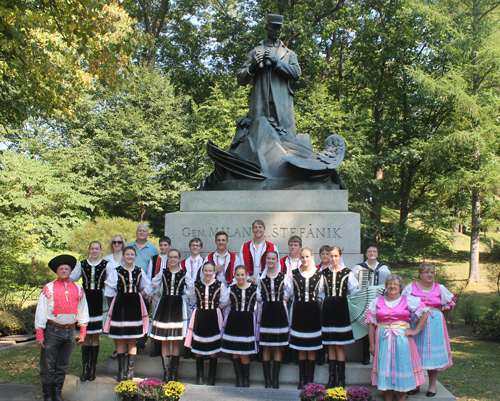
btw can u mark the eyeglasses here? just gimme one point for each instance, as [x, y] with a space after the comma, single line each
[393, 285]
[117, 242]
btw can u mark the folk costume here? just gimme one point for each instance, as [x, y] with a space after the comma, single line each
[254, 257]
[433, 343]
[396, 364]
[205, 326]
[93, 278]
[367, 277]
[273, 324]
[287, 265]
[229, 260]
[61, 306]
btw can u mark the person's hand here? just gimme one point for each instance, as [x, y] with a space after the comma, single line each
[257, 61]
[219, 268]
[372, 349]
[40, 344]
[80, 340]
[410, 332]
[271, 57]
[251, 280]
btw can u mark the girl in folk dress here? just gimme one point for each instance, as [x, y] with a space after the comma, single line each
[238, 337]
[94, 272]
[335, 315]
[433, 343]
[204, 335]
[128, 317]
[169, 323]
[396, 364]
[306, 288]
[273, 330]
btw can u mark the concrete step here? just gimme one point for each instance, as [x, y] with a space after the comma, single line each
[152, 367]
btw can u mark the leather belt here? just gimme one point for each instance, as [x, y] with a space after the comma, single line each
[63, 326]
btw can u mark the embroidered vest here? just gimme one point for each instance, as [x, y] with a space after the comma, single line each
[210, 301]
[93, 277]
[248, 258]
[228, 274]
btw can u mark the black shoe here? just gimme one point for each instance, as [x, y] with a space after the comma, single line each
[174, 365]
[86, 362]
[332, 374]
[414, 391]
[57, 391]
[302, 374]
[310, 371]
[48, 390]
[200, 370]
[212, 371]
[165, 361]
[246, 374]
[266, 368]
[341, 365]
[276, 374]
[94, 353]
[238, 372]
[131, 367]
[430, 394]
[121, 367]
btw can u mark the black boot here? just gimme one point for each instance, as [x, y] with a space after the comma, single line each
[366, 351]
[276, 374]
[302, 374]
[286, 355]
[47, 390]
[320, 356]
[246, 374]
[200, 370]
[121, 367]
[238, 371]
[165, 361]
[332, 374]
[310, 371]
[174, 365]
[156, 349]
[131, 365]
[342, 374]
[212, 372]
[85, 361]
[266, 368]
[57, 391]
[260, 356]
[187, 353]
[94, 353]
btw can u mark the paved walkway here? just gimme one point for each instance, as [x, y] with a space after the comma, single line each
[19, 392]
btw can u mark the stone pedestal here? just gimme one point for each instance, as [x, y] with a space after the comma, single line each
[319, 217]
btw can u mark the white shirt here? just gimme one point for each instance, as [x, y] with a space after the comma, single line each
[163, 265]
[224, 261]
[291, 265]
[112, 282]
[257, 252]
[193, 265]
[112, 264]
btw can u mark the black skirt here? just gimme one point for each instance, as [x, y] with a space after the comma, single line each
[274, 330]
[94, 302]
[239, 335]
[305, 329]
[170, 319]
[126, 318]
[336, 322]
[206, 332]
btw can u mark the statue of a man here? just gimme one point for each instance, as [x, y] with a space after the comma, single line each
[272, 66]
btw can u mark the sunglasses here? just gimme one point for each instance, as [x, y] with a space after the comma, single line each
[117, 242]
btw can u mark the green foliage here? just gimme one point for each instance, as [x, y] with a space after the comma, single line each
[16, 320]
[489, 326]
[469, 310]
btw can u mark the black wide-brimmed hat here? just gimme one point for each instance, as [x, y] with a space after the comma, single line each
[62, 260]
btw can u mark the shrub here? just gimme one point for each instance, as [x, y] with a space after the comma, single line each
[469, 310]
[489, 326]
[16, 320]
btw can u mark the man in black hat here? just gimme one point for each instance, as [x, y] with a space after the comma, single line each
[61, 306]
[271, 66]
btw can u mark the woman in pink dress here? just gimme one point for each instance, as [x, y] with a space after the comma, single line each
[433, 344]
[396, 364]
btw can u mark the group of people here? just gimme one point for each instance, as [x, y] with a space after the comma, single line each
[241, 304]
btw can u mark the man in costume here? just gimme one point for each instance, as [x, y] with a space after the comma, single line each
[271, 65]
[61, 306]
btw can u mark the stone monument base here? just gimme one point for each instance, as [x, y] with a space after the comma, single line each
[319, 217]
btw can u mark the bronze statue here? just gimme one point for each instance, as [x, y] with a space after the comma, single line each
[266, 152]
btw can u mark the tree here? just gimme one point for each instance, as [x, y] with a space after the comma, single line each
[52, 51]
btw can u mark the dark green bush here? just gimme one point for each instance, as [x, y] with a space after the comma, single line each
[15, 320]
[469, 311]
[489, 327]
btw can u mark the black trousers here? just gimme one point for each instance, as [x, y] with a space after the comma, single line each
[56, 356]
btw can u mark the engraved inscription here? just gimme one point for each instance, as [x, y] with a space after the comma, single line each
[275, 232]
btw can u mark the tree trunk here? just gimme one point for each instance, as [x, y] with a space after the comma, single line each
[474, 275]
